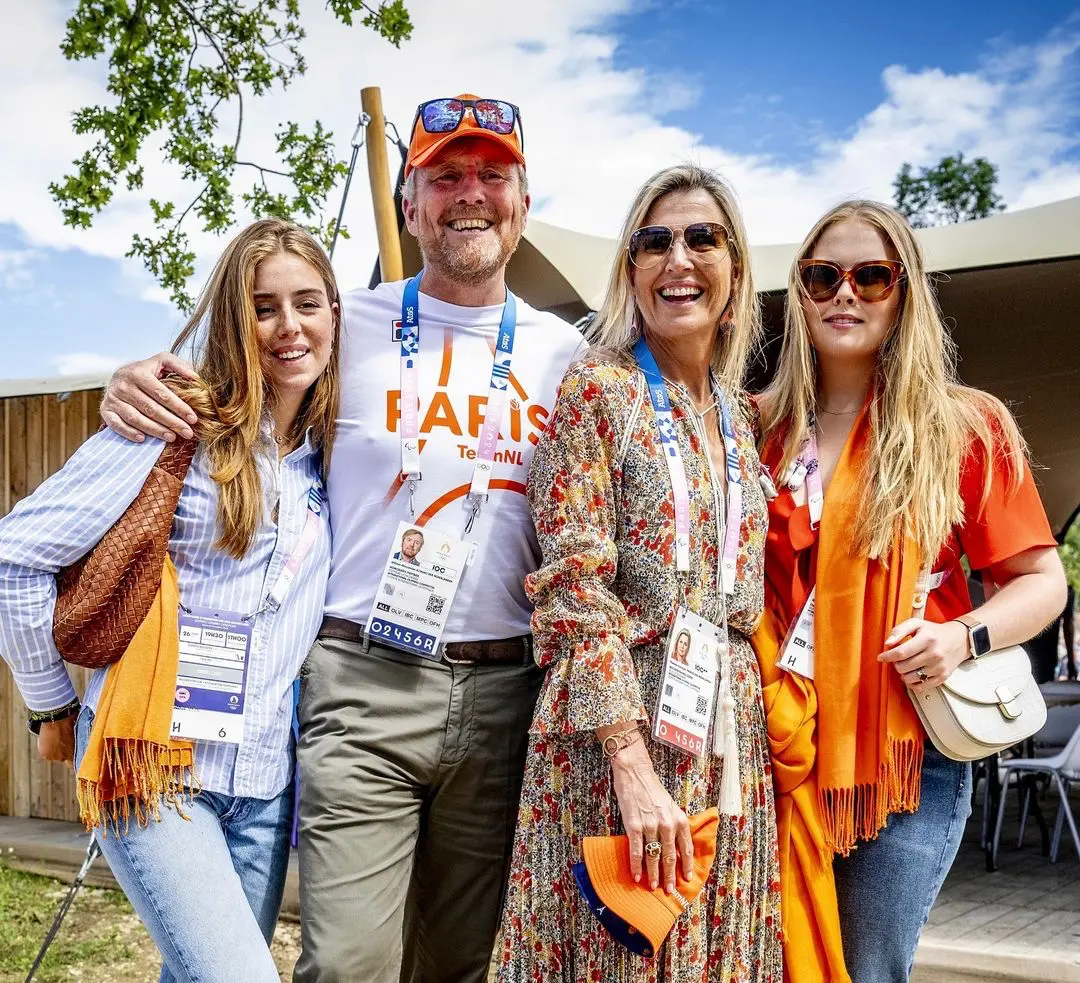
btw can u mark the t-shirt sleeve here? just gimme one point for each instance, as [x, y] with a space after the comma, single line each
[1010, 521]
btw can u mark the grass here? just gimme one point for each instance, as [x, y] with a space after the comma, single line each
[97, 931]
[101, 939]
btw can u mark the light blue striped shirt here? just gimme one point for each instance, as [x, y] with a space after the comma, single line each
[70, 512]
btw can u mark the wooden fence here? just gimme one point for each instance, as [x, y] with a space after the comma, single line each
[37, 435]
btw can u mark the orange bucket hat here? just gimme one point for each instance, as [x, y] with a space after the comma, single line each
[634, 915]
[424, 146]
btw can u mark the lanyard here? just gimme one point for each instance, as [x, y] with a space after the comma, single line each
[805, 468]
[669, 443]
[276, 595]
[498, 388]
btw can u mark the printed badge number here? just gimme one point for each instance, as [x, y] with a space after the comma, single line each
[408, 638]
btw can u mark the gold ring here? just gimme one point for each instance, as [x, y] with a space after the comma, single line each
[653, 848]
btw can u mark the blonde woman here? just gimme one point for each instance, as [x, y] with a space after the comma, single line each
[884, 462]
[623, 564]
[197, 831]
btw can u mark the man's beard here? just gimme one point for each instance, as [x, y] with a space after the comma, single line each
[473, 261]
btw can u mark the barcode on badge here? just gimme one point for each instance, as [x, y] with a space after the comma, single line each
[701, 707]
[435, 604]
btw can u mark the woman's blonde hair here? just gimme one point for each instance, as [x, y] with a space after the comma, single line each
[922, 420]
[234, 391]
[617, 326]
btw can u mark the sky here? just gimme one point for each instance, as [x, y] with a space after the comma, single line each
[799, 105]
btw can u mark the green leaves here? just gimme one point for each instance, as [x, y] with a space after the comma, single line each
[954, 190]
[181, 72]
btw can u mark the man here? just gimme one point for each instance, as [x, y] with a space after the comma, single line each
[411, 544]
[410, 766]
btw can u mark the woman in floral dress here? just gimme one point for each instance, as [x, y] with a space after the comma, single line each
[607, 592]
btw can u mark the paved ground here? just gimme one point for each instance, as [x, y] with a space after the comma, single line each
[1019, 924]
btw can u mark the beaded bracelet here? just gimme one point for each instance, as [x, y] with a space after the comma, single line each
[35, 718]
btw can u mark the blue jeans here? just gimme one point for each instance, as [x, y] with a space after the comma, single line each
[208, 888]
[886, 887]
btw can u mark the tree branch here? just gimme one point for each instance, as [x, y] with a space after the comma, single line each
[262, 170]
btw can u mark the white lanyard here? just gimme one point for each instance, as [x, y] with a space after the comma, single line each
[805, 468]
[669, 443]
[276, 595]
[498, 388]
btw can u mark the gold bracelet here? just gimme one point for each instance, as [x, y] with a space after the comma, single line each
[620, 740]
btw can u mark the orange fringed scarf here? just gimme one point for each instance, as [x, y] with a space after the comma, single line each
[130, 764]
[870, 741]
[847, 747]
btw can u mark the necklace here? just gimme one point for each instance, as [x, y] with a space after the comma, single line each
[281, 439]
[821, 409]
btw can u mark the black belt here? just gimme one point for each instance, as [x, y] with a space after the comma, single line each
[494, 652]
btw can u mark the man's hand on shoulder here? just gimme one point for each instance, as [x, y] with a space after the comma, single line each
[138, 405]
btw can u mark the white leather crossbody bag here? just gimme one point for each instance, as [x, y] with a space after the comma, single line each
[988, 704]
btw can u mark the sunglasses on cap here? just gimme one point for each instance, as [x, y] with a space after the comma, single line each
[706, 240]
[445, 116]
[871, 281]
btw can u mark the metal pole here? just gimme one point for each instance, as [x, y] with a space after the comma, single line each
[382, 194]
[357, 143]
[93, 851]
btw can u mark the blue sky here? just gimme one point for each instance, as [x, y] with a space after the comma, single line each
[792, 72]
[798, 104]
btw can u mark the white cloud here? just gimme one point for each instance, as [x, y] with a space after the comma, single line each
[85, 363]
[16, 275]
[1018, 109]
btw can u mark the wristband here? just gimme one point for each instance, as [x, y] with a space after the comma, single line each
[35, 718]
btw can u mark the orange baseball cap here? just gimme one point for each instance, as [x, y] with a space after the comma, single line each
[633, 914]
[425, 146]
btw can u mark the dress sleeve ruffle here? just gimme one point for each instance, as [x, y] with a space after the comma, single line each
[580, 627]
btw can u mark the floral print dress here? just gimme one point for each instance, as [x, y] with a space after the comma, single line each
[605, 598]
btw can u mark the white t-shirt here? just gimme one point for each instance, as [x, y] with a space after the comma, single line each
[367, 496]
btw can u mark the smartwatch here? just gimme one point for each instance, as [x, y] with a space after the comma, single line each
[978, 635]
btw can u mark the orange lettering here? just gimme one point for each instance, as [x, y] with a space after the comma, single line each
[477, 409]
[538, 416]
[515, 421]
[441, 414]
[393, 409]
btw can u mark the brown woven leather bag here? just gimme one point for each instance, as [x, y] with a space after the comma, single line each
[103, 598]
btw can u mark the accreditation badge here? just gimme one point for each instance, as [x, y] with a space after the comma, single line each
[420, 579]
[208, 704]
[797, 652]
[684, 705]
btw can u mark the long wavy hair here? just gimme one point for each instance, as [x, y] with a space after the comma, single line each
[922, 420]
[234, 392]
[617, 325]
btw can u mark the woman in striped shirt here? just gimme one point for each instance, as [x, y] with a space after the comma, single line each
[204, 864]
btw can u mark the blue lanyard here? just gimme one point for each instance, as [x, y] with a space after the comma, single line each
[669, 442]
[498, 387]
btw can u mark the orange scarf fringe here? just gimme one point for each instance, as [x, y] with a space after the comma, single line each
[849, 815]
[131, 765]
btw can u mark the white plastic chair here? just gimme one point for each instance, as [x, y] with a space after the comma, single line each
[1062, 768]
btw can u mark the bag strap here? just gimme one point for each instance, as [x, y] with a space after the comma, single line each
[176, 458]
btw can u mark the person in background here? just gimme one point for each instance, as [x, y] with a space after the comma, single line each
[885, 464]
[201, 847]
